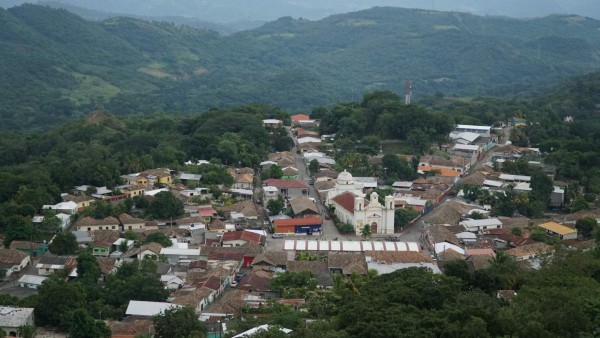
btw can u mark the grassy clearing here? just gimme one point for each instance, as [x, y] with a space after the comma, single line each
[92, 88]
[155, 70]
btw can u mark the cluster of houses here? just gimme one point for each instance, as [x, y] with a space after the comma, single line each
[217, 263]
[452, 232]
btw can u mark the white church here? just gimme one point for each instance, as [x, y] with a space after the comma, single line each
[350, 206]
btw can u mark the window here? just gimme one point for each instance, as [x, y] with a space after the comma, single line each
[113, 227]
[130, 227]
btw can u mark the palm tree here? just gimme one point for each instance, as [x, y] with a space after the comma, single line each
[365, 232]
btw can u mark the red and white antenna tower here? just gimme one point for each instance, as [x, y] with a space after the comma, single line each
[407, 97]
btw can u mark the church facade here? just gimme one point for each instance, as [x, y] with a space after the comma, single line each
[351, 207]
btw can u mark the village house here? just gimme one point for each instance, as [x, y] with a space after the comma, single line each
[49, 264]
[282, 159]
[239, 238]
[288, 188]
[481, 130]
[129, 222]
[69, 208]
[270, 260]
[347, 263]
[90, 224]
[103, 242]
[13, 318]
[272, 123]
[157, 176]
[31, 281]
[139, 253]
[83, 201]
[299, 226]
[304, 206]
[177, 255]
[145, 309]
[534, 253]
[33, 249]
[134, 190]
[477, 225]
[13, 261]
[297, 118]
[559, 230]
[257, 282]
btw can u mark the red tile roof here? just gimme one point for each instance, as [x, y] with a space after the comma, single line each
[198, 264]
[442, 171]
[298, 221]
[346, 201]
[300, 117]
[242, 235]
[225, 256]
[256, 281]
[286, 184]
[207, 212]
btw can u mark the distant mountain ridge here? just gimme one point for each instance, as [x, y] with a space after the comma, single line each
[266, 10]
[54, 65]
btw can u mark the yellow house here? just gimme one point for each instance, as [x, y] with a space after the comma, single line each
[160, 175]
[135, 190]
[83, 201]
[135, 179]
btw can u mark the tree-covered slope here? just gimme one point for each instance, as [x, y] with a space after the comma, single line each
[53, 64]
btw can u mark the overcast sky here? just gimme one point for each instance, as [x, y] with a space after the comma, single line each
[235, 10]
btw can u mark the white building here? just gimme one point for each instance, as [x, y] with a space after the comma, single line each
[11, 318]
[31, 281]
[476, 225]
[344, 183]
[69, 208]
[466, 128]
[148, 309]
[353, 209]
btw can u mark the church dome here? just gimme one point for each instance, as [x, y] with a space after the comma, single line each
[345, 178]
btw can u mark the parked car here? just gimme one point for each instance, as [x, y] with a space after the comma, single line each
[327, 216]
[392, 239]
[277, 235]
[234, 284]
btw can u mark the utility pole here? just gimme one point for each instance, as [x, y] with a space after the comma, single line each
[408, 93]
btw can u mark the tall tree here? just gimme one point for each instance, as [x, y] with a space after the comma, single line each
[64, 243]
[178, 322]
[84, 326]
[275, 171]
[165, 205]
[314, 166]
[586, 226]
[541, 187]
[56, 300]
[88, 269]
[275, 206]
[160, 238]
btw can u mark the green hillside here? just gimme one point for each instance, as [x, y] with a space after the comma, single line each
[55, 65]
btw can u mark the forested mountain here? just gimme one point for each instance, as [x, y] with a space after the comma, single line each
[55, 65]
